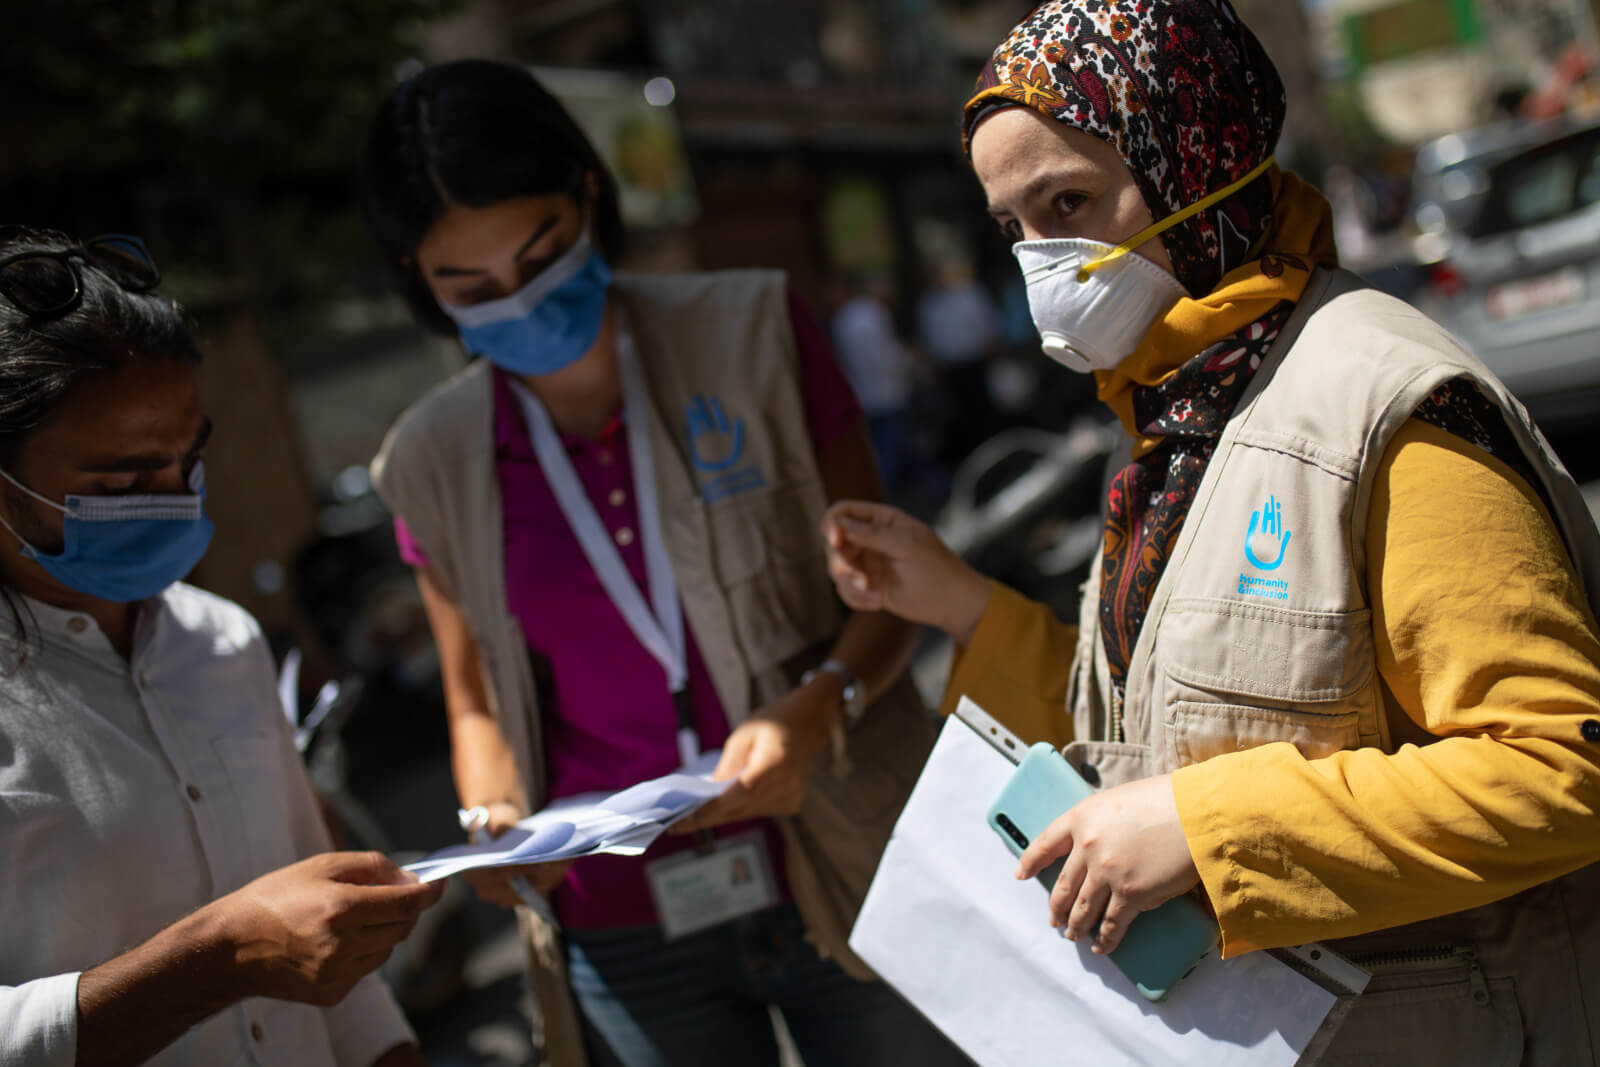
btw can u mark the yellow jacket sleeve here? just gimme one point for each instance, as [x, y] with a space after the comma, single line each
[1016, 668]
[1490, 657]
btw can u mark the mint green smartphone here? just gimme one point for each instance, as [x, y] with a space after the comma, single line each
[1161, 946]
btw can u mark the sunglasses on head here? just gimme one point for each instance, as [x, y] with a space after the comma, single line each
[48, 285]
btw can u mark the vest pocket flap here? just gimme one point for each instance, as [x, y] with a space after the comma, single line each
[773, 567]
[1204, 730]
[1436, 1020]
[765, 526]
[781, 611]
[1257, 651]
[738, 546]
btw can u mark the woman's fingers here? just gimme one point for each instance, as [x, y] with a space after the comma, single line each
[848, 572]
[1120, 913]
[502, 817]
[1068, 887]
[1052, 843]
[1084, 911]
[729, 807]
[888, 536]
[877, 528]
[868, 511]
[853, 581]
[491, 886]
[546, 876]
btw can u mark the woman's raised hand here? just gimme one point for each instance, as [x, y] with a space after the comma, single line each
[882, 559]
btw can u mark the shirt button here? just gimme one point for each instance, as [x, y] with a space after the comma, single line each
[256, 1033]
[604, 456]
[618, 498]
[77, 624]
[194, 792]
[624, 537]
[1591, 730]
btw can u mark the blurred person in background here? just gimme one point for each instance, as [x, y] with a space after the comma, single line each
[959, 327]
[1338, 665]
[152, 804]
[614, 516]
[881, 369]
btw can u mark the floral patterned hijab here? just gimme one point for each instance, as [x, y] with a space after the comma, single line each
[1181, 88]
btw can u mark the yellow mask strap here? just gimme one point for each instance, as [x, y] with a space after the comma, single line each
[1170, 221]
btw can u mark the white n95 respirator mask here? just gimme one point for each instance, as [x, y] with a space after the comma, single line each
[1093, 302]
[1091, 309]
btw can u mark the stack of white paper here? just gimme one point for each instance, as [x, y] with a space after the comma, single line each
[624, 823]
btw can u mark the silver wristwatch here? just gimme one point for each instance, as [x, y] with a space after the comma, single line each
[855, 694]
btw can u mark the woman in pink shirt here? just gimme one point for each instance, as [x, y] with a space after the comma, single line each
[500, 222]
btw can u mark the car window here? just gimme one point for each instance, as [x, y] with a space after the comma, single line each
[1589, 183]
[1542, 185]
[1541, 193]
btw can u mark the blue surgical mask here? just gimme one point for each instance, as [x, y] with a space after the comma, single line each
[546, 325]
[125, 548]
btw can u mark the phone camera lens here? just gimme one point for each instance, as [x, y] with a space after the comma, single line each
[1011, 830]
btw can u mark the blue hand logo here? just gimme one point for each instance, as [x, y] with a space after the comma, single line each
[1265, 526]
[711, 434]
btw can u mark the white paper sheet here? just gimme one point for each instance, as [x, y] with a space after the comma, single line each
[624, 823]
[947, 925]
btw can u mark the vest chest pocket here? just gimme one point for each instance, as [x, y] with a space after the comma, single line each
[772, 566]
[1238, 675]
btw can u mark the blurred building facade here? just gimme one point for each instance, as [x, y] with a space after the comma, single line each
[1426, 68]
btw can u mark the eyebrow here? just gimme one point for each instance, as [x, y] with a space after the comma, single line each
[461, 272]
[149, 461]
[1040, 183]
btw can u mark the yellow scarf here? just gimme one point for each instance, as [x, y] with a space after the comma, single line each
[1301, 239]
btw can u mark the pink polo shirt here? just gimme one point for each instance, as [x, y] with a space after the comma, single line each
[608, 719]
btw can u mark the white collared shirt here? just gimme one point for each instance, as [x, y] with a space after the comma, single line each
[134, 792]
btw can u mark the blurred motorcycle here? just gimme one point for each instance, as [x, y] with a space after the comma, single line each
[1025, 506]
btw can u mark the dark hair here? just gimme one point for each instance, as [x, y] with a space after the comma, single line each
[42, 358]
[472, 132]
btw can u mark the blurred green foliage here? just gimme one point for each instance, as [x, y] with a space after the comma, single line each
[228, 130]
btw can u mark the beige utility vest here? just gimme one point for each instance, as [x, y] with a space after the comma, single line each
[1240, 650]
[741, 511]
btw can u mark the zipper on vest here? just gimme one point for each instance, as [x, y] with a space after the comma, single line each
[1117, 728]
[1443, 957]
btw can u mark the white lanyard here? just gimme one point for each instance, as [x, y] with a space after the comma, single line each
[659, 631]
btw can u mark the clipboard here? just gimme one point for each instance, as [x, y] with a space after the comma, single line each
[970, 947]
[1315, 960]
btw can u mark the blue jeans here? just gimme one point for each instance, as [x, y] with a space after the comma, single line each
[703, 1000]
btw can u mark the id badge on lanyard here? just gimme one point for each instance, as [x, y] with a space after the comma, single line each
[697, 890]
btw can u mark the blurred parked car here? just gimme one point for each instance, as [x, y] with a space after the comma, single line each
[1526, 298]
[1450, 178]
